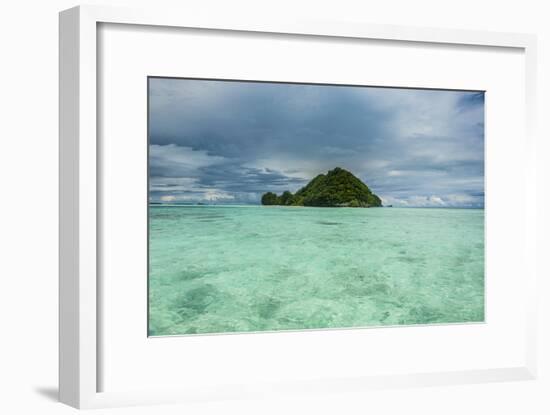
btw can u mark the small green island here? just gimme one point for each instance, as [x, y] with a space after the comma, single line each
[337, 188]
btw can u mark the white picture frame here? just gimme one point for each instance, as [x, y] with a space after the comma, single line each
[79, 312]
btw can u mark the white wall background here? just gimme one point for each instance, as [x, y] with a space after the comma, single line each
[28, 208]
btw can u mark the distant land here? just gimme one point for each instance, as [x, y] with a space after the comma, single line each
[337, 188]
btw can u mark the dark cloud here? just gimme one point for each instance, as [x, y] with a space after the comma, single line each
[232, 141]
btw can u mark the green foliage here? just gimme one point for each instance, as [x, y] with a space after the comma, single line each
[337, 188]
[298, 201]
[286, 198]
[269, 198]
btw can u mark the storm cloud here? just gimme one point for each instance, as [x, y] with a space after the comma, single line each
[229, 142]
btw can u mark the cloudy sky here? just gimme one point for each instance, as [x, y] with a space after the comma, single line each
[229, 142]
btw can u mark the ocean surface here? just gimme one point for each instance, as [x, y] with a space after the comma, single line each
[219, 269]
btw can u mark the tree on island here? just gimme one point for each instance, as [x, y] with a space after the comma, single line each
[269, 198]
[337, 188]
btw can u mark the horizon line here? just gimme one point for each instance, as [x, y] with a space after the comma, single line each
[281, 206]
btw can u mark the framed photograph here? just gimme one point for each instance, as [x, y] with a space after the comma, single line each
[281, 208]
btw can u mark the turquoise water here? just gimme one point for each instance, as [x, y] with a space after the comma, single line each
[217, 269]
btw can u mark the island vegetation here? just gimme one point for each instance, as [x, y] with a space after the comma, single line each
[337, 188]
